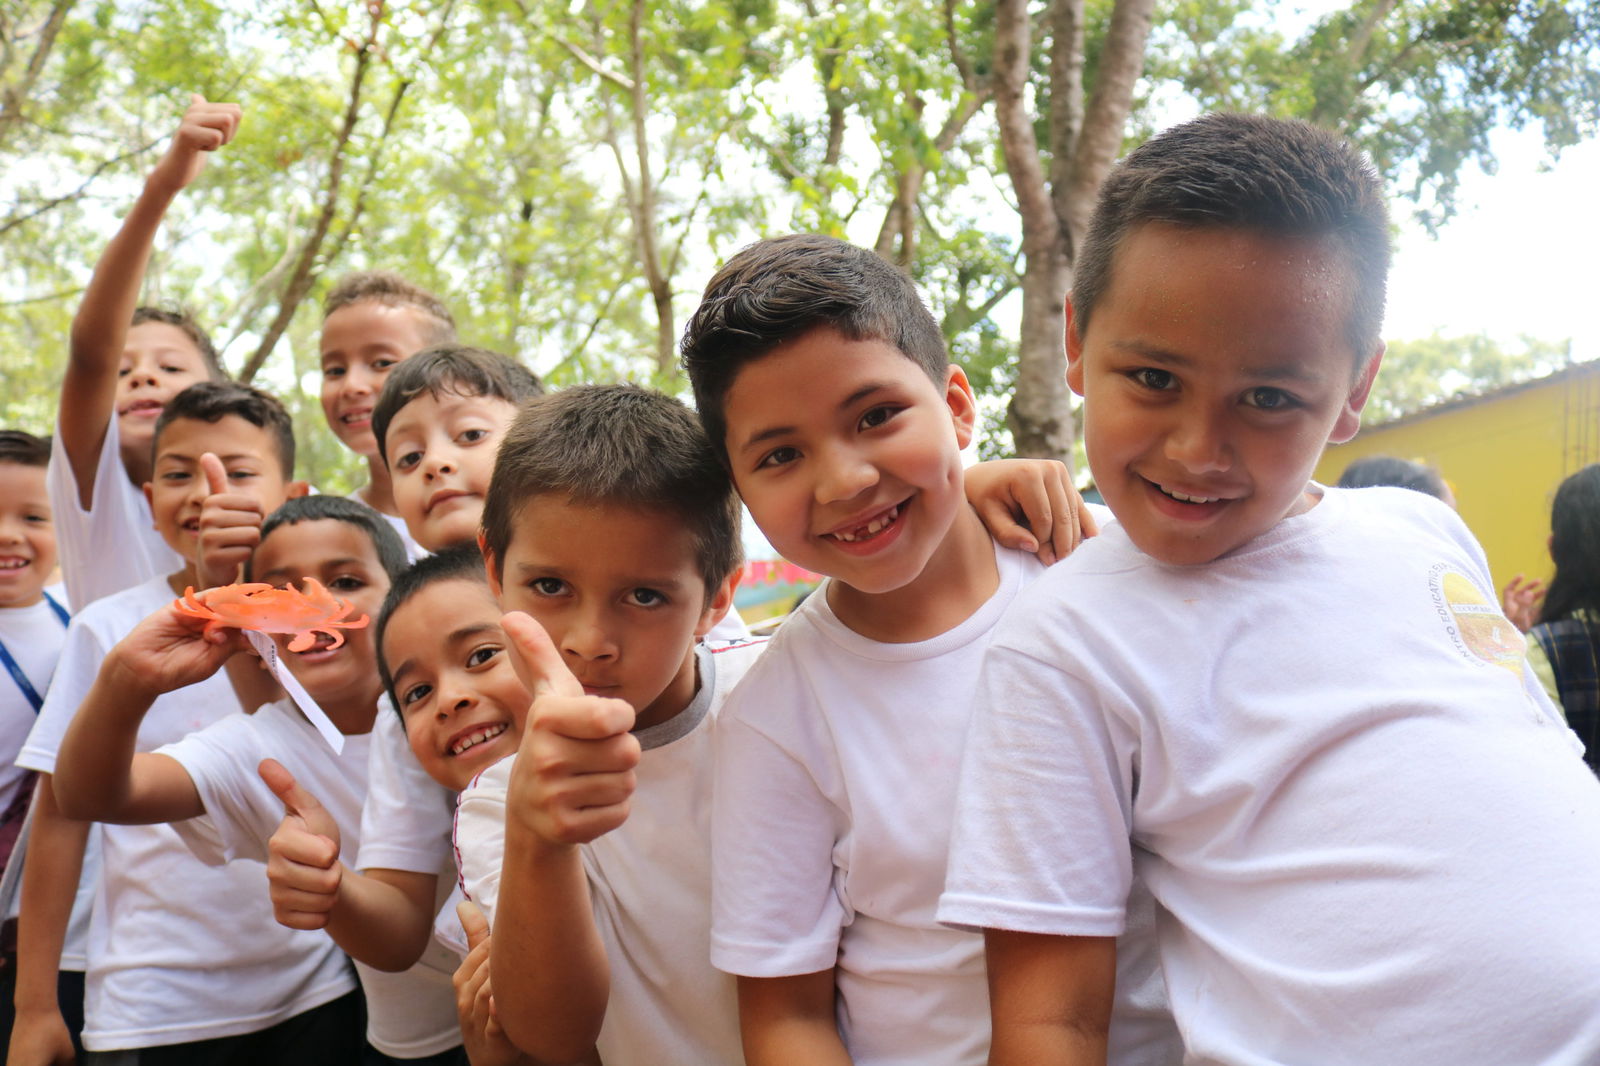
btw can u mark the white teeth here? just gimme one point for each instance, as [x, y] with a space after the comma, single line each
[476, 737]
[1191, 499]
[13, 564]
[874, 526]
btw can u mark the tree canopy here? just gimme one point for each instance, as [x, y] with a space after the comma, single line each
[566, 175]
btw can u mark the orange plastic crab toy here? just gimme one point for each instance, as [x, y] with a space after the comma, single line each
[267, 609]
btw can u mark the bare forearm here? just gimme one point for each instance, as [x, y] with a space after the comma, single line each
[93, 769]
[102, 320]
[789, 1021]
[549, 968]
[1046, 1044]
[49, 885]
[377, 922]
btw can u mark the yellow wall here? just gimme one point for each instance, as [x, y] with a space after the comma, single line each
[1503, 455]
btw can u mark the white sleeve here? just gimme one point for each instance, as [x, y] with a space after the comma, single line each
[221, 760]
[1045, 806]
[480, 835]
[406, 819]
[776, 909]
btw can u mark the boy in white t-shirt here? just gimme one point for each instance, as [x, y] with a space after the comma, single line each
[1295, 713]
[610, 522]
[178, 952]
[823, 382]
[213, 785]
[33, 624]
[125, 363]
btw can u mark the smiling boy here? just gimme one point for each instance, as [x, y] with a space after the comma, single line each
[823, 381]
[1294, 712]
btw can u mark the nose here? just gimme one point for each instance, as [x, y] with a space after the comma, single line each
[588, 638]
[141, 376]
[455, 698]
[1199, 443]
[357, 382]
[842, 473]
[437, 463]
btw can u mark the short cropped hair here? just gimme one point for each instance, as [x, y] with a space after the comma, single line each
[391, 290]
[455, 369]
[779, 289]
[386, 543]
[460, 562]
[1276, 176]
[182, 320]
[21, 448]
[616, 445]
[211, 401]
[1375, 470]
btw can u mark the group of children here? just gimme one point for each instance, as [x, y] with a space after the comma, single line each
[1255, 775]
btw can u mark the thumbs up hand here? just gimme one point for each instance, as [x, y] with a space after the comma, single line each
[303, 867]
[573, 778]
[230, 527]
[205, 128]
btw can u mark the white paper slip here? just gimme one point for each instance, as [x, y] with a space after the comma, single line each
[302, 699]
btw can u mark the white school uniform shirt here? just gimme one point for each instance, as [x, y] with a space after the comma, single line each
[33, 635]
[113, 544]
[836, 769]
[410, 1014]
[178, 951]
[1371, 837]
[649, 884]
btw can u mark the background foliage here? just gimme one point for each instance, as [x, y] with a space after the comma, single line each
[567, 174]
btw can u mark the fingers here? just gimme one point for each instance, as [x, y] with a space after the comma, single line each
[568, 791]
[536, 659]
[299, 803]
[216, 474]
[581, 717]
[207, 126]
[473, 923]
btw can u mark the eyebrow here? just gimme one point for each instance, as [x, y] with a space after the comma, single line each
[180, 457]
[849, 401]
[1288, 370]
[667, 583]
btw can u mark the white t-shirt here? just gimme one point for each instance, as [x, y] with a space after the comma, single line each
[33, 636]
[649, 882]
[836, 770]
[414, 551]
[409, 1014]
[178, 951]
[114, 544]
[1370, 836]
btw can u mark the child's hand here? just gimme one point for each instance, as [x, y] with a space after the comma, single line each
[303, 867]
[1030, 505]
[230, 528]
[205, 128]
[169, 650]
[1519, 601]
[40, 1038]
[573, 776]
[485, 1042]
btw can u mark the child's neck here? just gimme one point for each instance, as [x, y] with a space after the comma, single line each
[959, 578]
[378, 492]
[182, 579]
[137, 463]
[351, 715]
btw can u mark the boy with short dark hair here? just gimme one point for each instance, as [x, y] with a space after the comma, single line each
[611, 524]
[372, 320]
[1293, 711]
[823, 384]
[125, 363]
[437, 424]
[177, 953]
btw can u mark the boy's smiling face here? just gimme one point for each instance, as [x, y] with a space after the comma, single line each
[158, 362]
[1214, 370]
[177, 487]
[361, 343]
[343, 680]
[849, 456]
[441, 458]
[27, 534]
[620, 592]
[458, 694]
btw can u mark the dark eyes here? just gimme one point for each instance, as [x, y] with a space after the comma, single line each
[647, 597]
[347, 583]
[1154, 378]
[483, 655]
[548, 586]
[415, 693]
[472, 436]
[877, 416]
[1268, 399]
[408, 460]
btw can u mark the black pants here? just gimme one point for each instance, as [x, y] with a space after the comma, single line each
[329, 1035]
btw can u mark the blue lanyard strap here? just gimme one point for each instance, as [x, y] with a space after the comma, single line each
[28, 691]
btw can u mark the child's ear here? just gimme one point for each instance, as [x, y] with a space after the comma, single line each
[962, 403]
[489, 566]
[149, 499]
[1349, 420]
[296, 489]
[720, 603]
[1074, 353]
